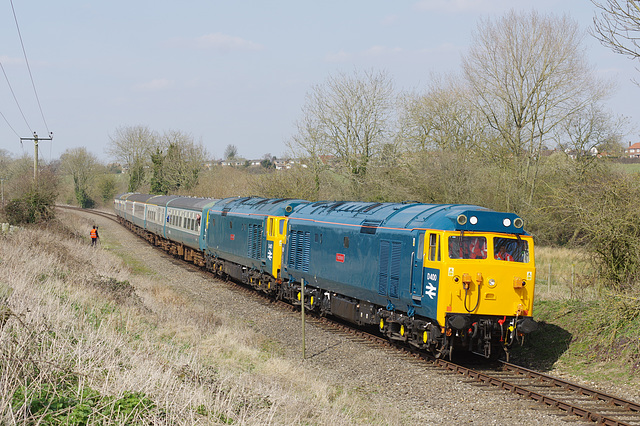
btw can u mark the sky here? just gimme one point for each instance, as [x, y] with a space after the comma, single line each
[233, 72]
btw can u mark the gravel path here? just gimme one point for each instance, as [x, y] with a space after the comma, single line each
[425, 394]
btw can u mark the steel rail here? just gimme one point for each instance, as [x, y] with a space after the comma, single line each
[582, 390]
[584, 413]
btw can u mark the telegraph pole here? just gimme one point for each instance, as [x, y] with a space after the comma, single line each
[35, 140]
[2, 179]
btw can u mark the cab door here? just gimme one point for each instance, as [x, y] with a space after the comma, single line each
[432, 265]
[417, 271]
[276, 238]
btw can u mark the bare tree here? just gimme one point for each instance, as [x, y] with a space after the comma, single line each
[349, 118]
[231, 152]
[583, 135]
[133, 146]
[177, 162]
[617, 26]
[442, 119]
[81, 165]
[528, 74]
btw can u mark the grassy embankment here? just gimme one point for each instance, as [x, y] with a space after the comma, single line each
[109, 344]
[586, 330]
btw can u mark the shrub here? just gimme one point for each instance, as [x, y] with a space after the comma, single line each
[34, 206]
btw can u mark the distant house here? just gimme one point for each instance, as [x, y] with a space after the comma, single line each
[633, 151]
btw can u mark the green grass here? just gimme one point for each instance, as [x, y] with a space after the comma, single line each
[627, 168]
[589, 339]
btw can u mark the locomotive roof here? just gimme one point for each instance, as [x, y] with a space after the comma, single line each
[258, 205]
[452, 217]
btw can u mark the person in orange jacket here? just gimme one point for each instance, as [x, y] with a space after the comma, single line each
[94, 236]
[502, 254]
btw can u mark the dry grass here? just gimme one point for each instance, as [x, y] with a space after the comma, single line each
[571, 277]
[80, 345]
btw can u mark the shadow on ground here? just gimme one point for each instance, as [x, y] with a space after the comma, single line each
[542, 348]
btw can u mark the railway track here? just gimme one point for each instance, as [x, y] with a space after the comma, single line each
[110, 216]
[572, 400]
[575, 401]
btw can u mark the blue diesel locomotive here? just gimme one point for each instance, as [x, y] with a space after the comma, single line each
[438, 277]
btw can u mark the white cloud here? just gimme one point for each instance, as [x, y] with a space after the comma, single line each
[9, 60]
[224, 42]
[153, 85]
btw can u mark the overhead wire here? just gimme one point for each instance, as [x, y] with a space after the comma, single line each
[9, 124]
[28, 67]
[15, 99]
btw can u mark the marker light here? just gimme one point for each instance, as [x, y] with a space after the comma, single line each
[473, 220]
[506, 222]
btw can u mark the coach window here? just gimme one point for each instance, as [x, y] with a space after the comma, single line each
[346, 242]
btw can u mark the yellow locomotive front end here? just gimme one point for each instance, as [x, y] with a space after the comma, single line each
[486, 292]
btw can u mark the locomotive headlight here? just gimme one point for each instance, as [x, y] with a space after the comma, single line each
[506, 221]
[492, 283]
[462, 219]
[473, 220]
[518, 222]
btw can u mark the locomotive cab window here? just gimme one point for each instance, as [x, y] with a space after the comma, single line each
[511, 249]
[270, 227]
[434, 247]
[467, 247]
[346, 242]
[420, 249]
